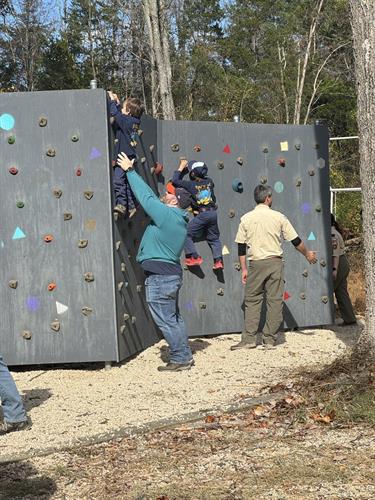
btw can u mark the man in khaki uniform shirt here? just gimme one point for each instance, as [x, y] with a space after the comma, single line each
[261, 232]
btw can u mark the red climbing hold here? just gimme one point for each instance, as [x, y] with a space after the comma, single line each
[13, 170]
[281, 162]
[48, 238]
[78, 172]
[51, 286]
[286, 296]
[226, 149]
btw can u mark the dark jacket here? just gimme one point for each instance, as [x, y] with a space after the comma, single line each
[202, 190]
[126, 129]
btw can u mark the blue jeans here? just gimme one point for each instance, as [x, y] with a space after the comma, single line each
[11, 401]
[162, 298]
[204, 225]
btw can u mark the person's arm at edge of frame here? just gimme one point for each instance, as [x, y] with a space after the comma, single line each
[242, 257]
[144, 194]
[309, 255]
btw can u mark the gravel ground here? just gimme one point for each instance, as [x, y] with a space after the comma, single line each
[69, 405]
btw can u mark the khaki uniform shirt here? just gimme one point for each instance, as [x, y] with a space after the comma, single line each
[338, 245]
[262, 230]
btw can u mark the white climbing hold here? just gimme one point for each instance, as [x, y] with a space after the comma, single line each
[61, 308]
[225, 250]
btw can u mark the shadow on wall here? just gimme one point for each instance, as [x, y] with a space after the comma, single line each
[21, 480]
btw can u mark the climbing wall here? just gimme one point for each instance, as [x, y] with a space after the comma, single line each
[294, 161]
[70, 291]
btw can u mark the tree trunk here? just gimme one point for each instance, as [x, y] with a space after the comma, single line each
[363, 22]
[153, 74]
[155, 11]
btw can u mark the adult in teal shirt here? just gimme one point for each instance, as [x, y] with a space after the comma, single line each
[159, 255]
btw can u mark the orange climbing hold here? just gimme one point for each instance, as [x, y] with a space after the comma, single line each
[51, 286]
[48, 238]
[170, 188]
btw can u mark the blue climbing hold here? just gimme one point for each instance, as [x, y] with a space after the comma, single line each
[18, 234]
[311, 237]
[237, 185]
[95, 153]
[7, 121]
[279, 187]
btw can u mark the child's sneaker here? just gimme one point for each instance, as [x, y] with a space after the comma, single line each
[119, 209]
[218, 264]
[193, 261]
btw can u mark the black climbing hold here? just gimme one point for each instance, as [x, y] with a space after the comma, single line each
[263, 180]
[318, 208]
[123, 267]
[231, 213]
[86, 311]
[202, 305]
[11, 139]
[311, 172]
[197, 148]
[324, 299]
[20, 204]
[55, 325]
[220, 165]
[120, 286]
[75, 138]
[82, 243]
[265, 149]
[139, 288]
[297, 146]
[240, 160]
[13, 170]
[88, 194]
[118, 244]
[151, 148]
[126, 316]
[237, 186]
[305, 273]
[57, 193]
[51, 152]
[175, 147]
[89, 277]
[26, 334]
[298, 182]
[13, 284]
[42, 121]
[317, 146]
[67, 216]
[220, 291]
[302, 296]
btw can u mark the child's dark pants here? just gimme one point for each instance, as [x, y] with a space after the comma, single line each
[204, 225]
[123, 193]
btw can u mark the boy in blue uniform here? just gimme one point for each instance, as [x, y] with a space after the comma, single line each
[126, 122]
[204, 206]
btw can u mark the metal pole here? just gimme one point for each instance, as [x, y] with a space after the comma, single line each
[343, 138]
[93, 84]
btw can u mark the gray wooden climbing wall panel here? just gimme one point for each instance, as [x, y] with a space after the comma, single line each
[55, 190]
[294, 161]
[57, 226]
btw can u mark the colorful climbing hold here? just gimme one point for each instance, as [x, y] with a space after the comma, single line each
[284, 146]
[20, 204]
[237, 185]
[51, 286]
[75, 138]
[281, 162]
[13, 170]
[227, 149]
[48, 238]
[78, 172]
[11, 139]
[18, 234]
[279, 187]
[7, 121]
[286, 295]
[306, 208]
[225, 250]
[311, 237]
[32, 303]
[94, 154]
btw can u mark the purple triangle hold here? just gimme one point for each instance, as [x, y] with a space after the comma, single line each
[95, 153]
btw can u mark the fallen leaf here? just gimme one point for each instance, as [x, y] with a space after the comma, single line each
[209, 419]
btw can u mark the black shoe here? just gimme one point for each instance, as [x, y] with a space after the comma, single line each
[176, 367]
[344, 323]
[243, 345]
[6, 427]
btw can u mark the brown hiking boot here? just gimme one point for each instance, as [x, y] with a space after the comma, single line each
[176, 367]
[243, 345]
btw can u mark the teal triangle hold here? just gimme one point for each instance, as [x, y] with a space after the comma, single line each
[18, 234]
[311, 237]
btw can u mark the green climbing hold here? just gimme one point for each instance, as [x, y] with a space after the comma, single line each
[75, 138]
[11, 139]
[20, 204]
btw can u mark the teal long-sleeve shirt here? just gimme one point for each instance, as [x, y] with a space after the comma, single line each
[165, 236]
